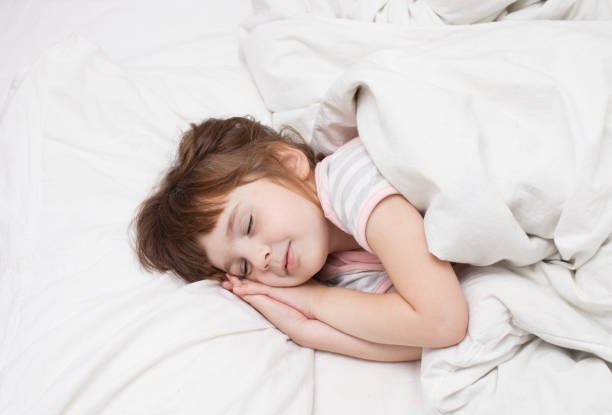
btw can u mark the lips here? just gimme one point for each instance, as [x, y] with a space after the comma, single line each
[286, 261]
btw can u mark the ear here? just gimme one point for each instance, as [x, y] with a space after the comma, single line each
[293, 160]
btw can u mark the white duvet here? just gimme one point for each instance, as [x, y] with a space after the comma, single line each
[83, 330]
[502, 135]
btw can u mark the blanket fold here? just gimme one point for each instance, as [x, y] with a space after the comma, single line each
[500, 135]
[508, 155]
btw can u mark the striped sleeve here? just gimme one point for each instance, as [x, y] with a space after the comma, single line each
[349, 187]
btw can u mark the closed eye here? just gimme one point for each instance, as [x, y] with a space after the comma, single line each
[244, 268]
[250, 227]
[244, 265]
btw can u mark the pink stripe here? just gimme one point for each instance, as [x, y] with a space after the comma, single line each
[358, 260]
[365, 212]
[362, 256]
[384, 286]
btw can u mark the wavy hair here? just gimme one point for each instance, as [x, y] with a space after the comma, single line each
[213, 158]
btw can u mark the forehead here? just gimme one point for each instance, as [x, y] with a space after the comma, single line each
[257, 191]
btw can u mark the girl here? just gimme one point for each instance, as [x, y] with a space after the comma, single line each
[252, 207]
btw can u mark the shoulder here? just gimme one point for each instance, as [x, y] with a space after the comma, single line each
[350, 186]
[337, 161]
[331, 176]
[395, 224]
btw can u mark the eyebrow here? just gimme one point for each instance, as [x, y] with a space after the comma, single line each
[230, 227]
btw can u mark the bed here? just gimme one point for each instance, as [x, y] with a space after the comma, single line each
[96, 94]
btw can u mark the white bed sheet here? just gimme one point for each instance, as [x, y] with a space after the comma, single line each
[88, 124]
[125, 30]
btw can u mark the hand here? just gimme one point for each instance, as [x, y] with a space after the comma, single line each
[285, 318]
[302, 298]
[314, 333]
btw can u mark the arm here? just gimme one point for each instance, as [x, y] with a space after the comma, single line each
[320, 336]
[428, 309]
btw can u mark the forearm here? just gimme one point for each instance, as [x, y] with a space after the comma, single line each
[320, 336]
[379, 318]
[437, 312]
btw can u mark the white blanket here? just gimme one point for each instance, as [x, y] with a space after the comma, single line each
[502, 135]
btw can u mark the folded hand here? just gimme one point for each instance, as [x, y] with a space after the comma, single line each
[302, 298]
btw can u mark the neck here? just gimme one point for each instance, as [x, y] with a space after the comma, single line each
[340, 240]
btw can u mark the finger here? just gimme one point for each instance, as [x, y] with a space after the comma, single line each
[235, 281]
[279, 314]
[240, 290]
[227, 285]
[250, 287]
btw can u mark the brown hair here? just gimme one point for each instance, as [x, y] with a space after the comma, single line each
[213, 158]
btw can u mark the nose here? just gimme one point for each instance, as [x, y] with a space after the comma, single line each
[265, 254]
[267, 257]
[259, 255]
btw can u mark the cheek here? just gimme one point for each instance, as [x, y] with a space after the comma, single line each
[269, 280]
[274, 280]
[314, 262]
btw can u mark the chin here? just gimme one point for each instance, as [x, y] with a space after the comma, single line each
[284, 282]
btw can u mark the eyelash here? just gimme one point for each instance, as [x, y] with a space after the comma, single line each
[244, 266]
[250, 227]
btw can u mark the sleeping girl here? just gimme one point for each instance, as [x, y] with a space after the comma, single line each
[326, 249]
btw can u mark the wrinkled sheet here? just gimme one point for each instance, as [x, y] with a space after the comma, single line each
[86, 128]
[84, 330]
[428, 13]
[501, 134]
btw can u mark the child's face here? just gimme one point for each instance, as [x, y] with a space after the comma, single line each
[276, 236]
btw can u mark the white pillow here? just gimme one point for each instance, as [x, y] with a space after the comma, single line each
[84, 328]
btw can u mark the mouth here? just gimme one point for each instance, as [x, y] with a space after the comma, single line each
[286, 260]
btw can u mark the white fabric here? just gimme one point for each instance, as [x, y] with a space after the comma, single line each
[351, 386]
[297, 48]
[126, 30]
[429, 13]
[502, 134]
[84, 330]
[85, 134]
